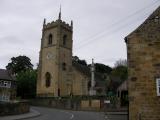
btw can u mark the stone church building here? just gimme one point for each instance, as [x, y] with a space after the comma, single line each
[58, 75]
[143, 52]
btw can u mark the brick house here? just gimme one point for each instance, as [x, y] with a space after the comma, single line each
[143, 52]
[7, 86]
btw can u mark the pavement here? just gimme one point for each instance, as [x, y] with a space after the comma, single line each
[31, 114]
[116, 113]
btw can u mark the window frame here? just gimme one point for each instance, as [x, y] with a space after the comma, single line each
[6, 84]
[158, 86]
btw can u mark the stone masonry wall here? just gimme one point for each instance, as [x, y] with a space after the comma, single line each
[143, 51]
[14, 108]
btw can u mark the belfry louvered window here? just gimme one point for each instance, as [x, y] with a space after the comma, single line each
[64, 39]
[50, 38]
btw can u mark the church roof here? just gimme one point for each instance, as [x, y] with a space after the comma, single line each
[86, 71]
[155, 16]
[81, 68]
[4, 75]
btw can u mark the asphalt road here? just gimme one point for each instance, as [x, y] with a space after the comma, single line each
[55, 114]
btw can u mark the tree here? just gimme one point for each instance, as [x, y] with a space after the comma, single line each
[26, 84]
[19, 64]
[76, 59]
[22, 68]
[118, 74]
[121, 72]
[120, 62]
[101, 68]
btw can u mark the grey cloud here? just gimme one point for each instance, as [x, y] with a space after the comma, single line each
[21, 24]
[10, 40]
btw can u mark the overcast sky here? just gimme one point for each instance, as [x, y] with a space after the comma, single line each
[99, 26]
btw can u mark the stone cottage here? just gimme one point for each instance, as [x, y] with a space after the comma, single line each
[143, 52]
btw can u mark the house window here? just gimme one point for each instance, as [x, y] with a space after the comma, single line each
[158, 86]
[48, 79]
[5, 96]
[50, 39]
[1, 83]
[63, 66]
[156, 19]
[7, 84]
[64, 39]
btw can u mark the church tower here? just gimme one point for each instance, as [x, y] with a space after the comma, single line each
[55, 59]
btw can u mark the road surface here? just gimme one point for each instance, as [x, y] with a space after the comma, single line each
[56, 114]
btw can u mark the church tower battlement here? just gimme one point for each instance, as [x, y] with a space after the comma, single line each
[56, 23]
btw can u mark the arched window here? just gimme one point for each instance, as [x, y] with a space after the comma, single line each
[64, 39]
[48, 79]
[50, 39]
[63, 66]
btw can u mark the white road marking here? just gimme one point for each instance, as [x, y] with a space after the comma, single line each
[72, 115]
[107, 118]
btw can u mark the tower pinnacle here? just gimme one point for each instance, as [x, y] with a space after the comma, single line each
[71, 23]
[44, 22]
[59, 13]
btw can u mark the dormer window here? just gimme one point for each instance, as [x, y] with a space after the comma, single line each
[64, 39]
[50, 39]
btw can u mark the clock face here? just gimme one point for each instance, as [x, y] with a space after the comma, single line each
[49, 55]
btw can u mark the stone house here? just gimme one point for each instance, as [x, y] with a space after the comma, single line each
[58, 75]
[143, 52]
[7, 86]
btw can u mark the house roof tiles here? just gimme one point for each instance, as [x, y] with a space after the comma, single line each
[4, 75]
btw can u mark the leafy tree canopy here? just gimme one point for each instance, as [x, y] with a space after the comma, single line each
[26, 84]
[118, 74]
[76, 59]
[120, 62]
[102, 68]
[19, 64]
[121, 72]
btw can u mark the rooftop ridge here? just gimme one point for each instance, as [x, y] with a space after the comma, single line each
[153, 17]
